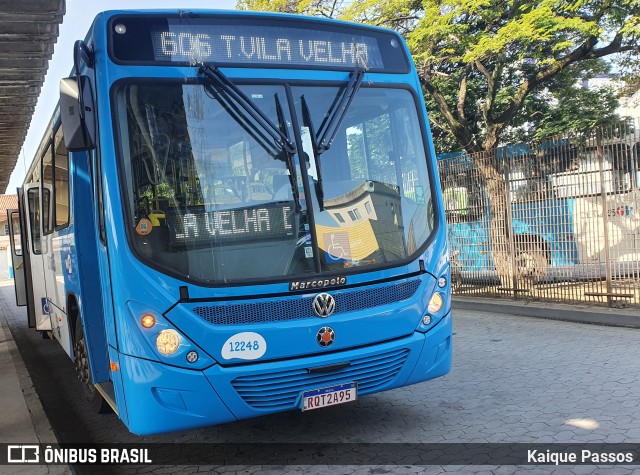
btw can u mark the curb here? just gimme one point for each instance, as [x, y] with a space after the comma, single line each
[41, 425]
[552, 311]
[39, 421]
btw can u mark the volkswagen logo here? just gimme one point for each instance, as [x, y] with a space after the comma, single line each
[325, 336]
[324, 305]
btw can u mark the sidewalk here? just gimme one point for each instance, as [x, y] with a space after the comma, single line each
[22, 419]
[616, 317]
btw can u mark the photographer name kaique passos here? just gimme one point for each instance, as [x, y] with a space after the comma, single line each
[585, 456]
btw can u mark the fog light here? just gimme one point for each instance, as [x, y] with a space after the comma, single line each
[148, 321]
[442, 281]
[426, 320]
[192, 356]
[435, 304]
[168, 342]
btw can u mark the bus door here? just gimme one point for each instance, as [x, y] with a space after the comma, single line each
[17, 259]
[54, 196]
[34, 242]
[22, 260]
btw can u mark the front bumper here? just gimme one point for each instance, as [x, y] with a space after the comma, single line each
[162, 398]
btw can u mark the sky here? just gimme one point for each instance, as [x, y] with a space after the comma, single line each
[76, 23]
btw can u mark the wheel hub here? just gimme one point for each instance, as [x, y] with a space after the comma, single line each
[82, 362]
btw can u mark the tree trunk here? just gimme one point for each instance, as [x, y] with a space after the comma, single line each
[484, 157]
[502, 250]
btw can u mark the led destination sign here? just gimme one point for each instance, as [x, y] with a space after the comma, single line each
[283, 46]
[196, 226]
[249, 41]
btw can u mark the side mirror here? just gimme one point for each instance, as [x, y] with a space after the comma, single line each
[77, 112]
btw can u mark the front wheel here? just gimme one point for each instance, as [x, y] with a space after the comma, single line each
[531, 262]
[81, 356]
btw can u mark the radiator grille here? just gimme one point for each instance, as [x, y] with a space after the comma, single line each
[297, 307]
[281, 390]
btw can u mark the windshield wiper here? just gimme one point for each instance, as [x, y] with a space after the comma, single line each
[293, 178]
[330, 125]
[277, 132]
[334, 118]
[215, 75]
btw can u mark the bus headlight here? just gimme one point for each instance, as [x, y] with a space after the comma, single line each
[168, 342]
[434, 312]
[435, 304]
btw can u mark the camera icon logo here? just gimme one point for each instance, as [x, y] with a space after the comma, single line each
[23, 454]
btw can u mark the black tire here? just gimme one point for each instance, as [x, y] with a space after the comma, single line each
[81, 357]
[531, 262]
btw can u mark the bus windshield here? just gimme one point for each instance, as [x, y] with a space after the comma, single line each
[210, 196]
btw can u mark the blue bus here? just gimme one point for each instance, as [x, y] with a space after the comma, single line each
[234, 214]
[574, 210]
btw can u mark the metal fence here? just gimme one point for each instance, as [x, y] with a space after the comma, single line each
[557, 221]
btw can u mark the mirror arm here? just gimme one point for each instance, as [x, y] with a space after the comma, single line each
[81, 52]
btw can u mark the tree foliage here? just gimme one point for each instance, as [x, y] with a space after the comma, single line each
[564, 105]
[486, 63]
[514, 49]
[329, 9]
[567, 107]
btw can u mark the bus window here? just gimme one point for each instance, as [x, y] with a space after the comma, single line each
[34, 219]
[61, 178]
[205, 180]
[15, 227]
[370, 146]
[463, 191]
[47, 187]
[373, 179]
[455, 200]
[356, 149]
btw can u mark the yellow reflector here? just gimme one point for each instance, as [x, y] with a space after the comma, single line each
[168, 342]
[148, 321]
[113, 366]
[435, 304]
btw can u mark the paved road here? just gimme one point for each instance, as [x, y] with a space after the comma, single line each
[513, 380]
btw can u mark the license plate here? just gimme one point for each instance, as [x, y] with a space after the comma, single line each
[330, 396]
